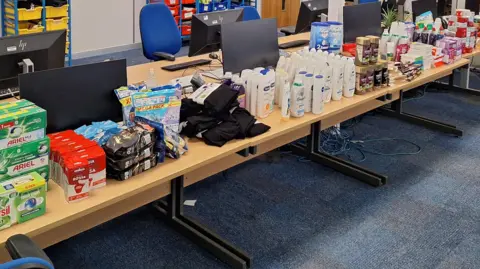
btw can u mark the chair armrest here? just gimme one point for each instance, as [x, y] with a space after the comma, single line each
[164, 56]
[20, 246]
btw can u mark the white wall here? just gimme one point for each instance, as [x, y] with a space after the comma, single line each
[98, 25]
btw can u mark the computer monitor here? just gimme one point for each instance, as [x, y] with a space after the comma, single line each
[362, 20]
[249, 44]
[473, 5]
[205, 36]
[310, 11]
[76, 95]
[29, 53]
[421, 6]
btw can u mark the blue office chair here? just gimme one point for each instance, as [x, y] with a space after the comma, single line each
[25, 254]
[160, 34]
[250, 14]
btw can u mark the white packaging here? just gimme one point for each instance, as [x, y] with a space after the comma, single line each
[253, 89]
[297, 107]
[337, 78]
[245, 78]
[266, 93]
[349, 78]
[308, 88]
[283, 76]
[286, 93]
[327, 75]
[382, 49]
[317, 94]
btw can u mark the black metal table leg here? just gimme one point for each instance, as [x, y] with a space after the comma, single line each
[451, 86]
[312, 152]
[397, 111]
[172, 212]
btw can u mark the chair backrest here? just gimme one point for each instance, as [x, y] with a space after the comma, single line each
[27, 263]
[159, 30]
[250, 13]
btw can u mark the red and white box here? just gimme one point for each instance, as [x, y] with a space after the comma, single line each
[97, 161]
[75, 178]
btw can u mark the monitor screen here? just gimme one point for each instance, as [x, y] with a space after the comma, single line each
[249, 44]
[205, 35]
[309, 12]
[76, 95]
[369, 23]
[421, 6]
[45, 50]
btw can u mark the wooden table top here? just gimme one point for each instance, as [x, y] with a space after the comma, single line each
[60, 212]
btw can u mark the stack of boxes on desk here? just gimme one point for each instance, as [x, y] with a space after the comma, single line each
[77, 164]
[24, 152]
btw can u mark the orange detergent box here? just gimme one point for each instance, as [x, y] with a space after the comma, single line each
[97, 161]
[75, 178]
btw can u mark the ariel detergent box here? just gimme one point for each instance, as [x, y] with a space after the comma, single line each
[13, 105]
[25, 158]
[21, 199]
[21, 124]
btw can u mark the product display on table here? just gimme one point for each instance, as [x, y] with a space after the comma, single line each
[21, 199]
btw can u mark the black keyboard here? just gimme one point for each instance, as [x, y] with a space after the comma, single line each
[293, 44]
[8, 93]
[176, 67]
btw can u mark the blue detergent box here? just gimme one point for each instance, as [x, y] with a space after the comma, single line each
[161, 106]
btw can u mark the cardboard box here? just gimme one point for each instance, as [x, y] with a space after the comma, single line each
[21, 199]
[21, 126]
[10, 106]
[25, 158]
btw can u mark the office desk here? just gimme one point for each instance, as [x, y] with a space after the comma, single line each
[63, 220]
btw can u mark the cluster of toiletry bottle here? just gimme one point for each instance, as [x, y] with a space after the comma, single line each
[309, 78]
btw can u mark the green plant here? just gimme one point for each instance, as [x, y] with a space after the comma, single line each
[389, 15]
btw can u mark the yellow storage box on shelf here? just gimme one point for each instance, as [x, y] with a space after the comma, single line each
[57, 24]
[24, 28]
[24, 14]
[56, 12]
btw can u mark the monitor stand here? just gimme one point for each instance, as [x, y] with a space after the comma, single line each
[27, 67]
[323, 17]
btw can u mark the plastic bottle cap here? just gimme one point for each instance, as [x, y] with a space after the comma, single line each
[309, 75]
[318, 76]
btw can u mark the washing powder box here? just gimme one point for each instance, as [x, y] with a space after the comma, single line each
[22, 125]
[25, 158]
[9, 106]
[21, 199]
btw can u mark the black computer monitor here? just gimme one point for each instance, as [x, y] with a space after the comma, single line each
[473, 5]
[361, 20]
[249, 44]
[205, 36]
[76, 95]
[45, 50]
[421, 6]
[310, 11]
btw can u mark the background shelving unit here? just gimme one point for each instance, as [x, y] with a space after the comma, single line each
[19, 19]
[183, 10]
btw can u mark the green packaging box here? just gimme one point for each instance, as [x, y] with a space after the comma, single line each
[9, 106]
[25, 158]
[21, 199]
[21, 126]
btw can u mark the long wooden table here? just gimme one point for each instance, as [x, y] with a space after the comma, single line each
[63, 220]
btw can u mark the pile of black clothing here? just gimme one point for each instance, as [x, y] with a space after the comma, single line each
[219, 119]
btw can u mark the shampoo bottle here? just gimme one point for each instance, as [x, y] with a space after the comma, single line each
[317, 100]
[337, 78]
[308, 88]
[327, 75]
[349, 78]
[286, 93]
[297, 108]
